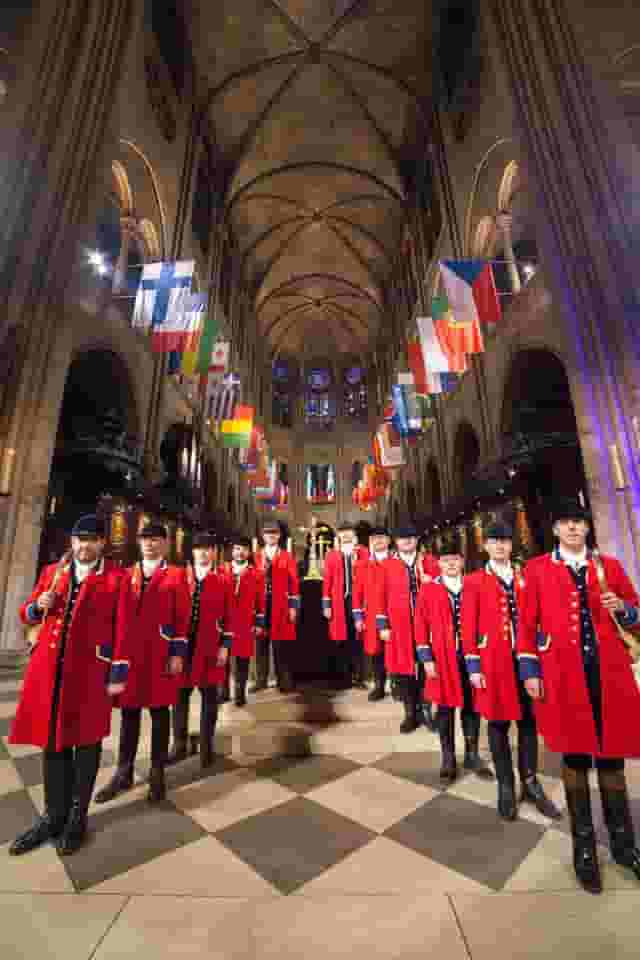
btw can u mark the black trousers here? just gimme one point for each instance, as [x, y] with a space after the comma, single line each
[355, 645]
[527, 741]
[241, 674]
[281, 660]
[469, 719]
[378, 670]
[208, 707]
[130, 736]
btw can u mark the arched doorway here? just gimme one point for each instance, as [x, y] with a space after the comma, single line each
[541, 451]
[466, 456]
[97, 449]
[433, 490]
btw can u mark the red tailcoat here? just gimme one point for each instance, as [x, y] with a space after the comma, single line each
[429, 566]
[211, 635]
[84, 709]
[285, 592]
[488, 643]
[246, 609]
[151, 627]
[394, 613]
[366, 601]
[549, 646]
[333, 589]
[436, 640]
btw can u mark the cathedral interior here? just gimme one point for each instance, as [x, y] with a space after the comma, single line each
[315, 161]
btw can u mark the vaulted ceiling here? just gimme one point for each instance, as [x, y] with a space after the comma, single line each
[319, 112]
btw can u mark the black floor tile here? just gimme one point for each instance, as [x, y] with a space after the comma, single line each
[17, 814]
[294, 842]
[420, 768]
[128, 836]
[305, 773]
[468, 837]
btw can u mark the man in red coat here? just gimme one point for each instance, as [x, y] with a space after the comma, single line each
[208, 651]
[340, 569]
[245, 586]
[491, 607]
[64, 706]
[366, 591]
[154, 612]
[577, 668]
[395, 619]
[282, 602]
[439, 648]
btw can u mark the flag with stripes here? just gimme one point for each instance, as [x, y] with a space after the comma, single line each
[160, 301]
[221, 398]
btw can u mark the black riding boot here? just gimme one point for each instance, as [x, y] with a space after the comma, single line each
[129, 736]
[503, 763]
[531, 790]
[428, 718]
[472, 759]
[380, 678]
[446, 729]
[160, 723]
[241, 677]
[585, 858]
[617, 816]
[87, 764]
[180, 727]
[410, 701]
[57, 768]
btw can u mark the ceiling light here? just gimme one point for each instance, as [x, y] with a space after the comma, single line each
[96, 259]
[529, 270]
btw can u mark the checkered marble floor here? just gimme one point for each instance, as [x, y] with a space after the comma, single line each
[356, 848]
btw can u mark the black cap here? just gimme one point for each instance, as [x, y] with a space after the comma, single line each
[569, 509]
[271, 526]
[450, 545]
[498, 531]
[405, 530]
[203, 539]
[154, 530]
[240, 540]
[89, 526]
[346, 525]
[378, 532]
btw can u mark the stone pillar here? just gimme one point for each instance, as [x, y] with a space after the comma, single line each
[53, 133]
[128, 231]
[504, 223]
[584, 170]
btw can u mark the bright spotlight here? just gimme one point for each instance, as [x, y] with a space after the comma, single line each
[529, 270]
[96, 259]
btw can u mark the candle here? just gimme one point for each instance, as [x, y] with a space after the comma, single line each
[254, 544]
[616, 467]
[289, 544]
[6, 473]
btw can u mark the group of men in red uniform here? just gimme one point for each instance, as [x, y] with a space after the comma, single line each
[540, 648]
[141, 638]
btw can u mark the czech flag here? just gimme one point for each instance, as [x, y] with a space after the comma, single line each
[472, 294]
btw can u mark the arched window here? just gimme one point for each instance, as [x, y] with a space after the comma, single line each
[283, 379]
[320, 400]
[355, 398]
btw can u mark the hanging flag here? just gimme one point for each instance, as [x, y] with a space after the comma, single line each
[221, 398]
[406, 414]
[162, 293]
[210, 333]
[441, 383]
[181, 330]
[195, 322]
[390, 447]
[236, 432]
[416, 363]
[471, 289]
[219, 359]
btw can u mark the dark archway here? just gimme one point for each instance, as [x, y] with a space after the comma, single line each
[466, 456]
[433, 490]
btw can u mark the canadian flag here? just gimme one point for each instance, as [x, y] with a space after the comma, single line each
[219, 362]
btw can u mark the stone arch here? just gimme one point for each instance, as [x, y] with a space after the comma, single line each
[147, 192]
[466, 455]
[150, 240]
[484, 237]
[123, 188]
[509, 185]
[485, 181]
[537, 393]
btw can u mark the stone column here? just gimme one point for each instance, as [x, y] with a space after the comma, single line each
[52, 131]
[584, 169]
[504, 223]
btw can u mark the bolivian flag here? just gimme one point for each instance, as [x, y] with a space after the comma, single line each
[237, 432]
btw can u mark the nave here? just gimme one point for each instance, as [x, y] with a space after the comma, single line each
[355, 849]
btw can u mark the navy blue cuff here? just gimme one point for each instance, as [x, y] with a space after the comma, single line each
[34, 613]
[358, 616]
[473, 663]
[382, 621]
[326, 603]
[529, 666]
[226, 640]
[425, 654]
[119, 671]
[294, 602]
[178, 647]
[628, 617]
[260, 620]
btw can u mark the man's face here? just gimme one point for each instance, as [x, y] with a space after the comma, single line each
[87, 549]
[239, 553]
[379, 543]
[451, 565]
[203, 556]
[346, 537]
[152, 548]
[407, 544]
[572, 534]
[499, 550]
[271, 538]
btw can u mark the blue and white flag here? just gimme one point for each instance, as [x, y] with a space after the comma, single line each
[162, 298]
